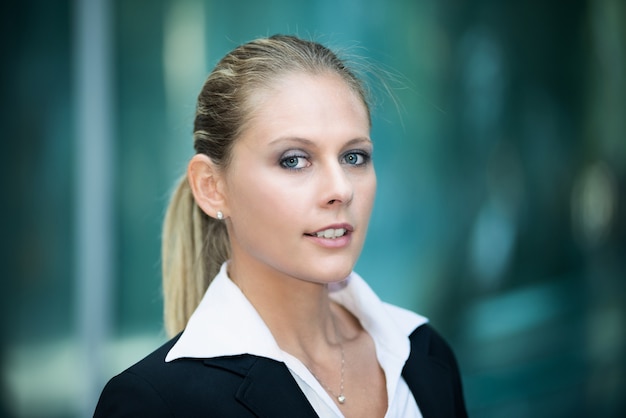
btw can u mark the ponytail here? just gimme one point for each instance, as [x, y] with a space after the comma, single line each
[194, 246]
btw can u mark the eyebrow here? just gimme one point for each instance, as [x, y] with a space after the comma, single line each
[308, 142]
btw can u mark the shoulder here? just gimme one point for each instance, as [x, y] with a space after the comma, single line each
[427, 341]
[428, 345]
[181, 388]
[136, 391]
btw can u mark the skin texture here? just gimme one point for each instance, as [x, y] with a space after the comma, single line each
[302, 165]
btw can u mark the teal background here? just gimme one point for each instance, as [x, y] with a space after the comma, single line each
[500, 213]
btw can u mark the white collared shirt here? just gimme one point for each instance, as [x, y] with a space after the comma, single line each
[225, 324]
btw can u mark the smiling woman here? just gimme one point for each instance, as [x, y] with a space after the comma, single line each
[260, 240]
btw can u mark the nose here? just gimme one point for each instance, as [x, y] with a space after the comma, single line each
[336, 186]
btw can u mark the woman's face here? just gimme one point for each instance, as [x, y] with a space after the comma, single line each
[301, 183]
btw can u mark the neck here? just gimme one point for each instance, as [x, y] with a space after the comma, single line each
[299, 313]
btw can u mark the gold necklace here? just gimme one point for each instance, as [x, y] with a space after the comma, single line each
[341, 398]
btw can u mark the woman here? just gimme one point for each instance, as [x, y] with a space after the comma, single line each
[259, 244]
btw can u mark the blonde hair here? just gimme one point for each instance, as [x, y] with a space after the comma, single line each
[194, 244]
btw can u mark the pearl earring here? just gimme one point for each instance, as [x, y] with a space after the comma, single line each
[220, 215]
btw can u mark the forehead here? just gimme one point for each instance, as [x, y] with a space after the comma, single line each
[316, 102]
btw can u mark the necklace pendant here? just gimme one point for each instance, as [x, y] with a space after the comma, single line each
[341, 399]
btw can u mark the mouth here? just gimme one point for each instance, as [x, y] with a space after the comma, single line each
[330, 232]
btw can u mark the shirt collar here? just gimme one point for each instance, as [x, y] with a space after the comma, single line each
[225, 323]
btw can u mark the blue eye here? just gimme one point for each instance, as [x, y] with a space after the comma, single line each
[356, 158]
[294, 162]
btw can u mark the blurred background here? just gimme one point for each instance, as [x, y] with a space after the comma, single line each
[500, 215]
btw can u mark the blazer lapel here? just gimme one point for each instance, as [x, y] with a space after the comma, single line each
[268, 389]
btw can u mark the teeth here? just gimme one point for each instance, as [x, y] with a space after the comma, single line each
[331, 233]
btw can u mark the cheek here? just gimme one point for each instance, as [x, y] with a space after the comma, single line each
[259, 201]
[367, 190]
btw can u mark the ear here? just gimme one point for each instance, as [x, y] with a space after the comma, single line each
[206, 184]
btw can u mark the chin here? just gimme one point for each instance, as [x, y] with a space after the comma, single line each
[333, 274]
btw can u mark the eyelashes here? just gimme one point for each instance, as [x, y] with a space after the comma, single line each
[298, 160]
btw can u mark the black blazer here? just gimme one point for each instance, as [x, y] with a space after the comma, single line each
[250, 386]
